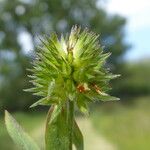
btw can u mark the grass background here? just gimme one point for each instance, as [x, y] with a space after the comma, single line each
[128, 126]
[123, 127]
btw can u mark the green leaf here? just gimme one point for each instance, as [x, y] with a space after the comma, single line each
[82, 104]
[42, 101]
[77, 137]
[107, 98]
[51, 87]
[22, 139]
[56, 135]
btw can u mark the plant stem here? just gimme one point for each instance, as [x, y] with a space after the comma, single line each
[70, 122]
[47, 119]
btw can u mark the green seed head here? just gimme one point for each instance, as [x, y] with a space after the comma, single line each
[71, 68]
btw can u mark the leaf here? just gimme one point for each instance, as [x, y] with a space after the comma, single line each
[51, 87]
[22, 139]
[82, 104]
[42, 101]
[77, 137]
[107, 98]
[56, 135]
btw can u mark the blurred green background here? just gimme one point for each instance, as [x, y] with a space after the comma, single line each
[123, 125]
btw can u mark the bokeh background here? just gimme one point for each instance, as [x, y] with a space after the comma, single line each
[124, 28]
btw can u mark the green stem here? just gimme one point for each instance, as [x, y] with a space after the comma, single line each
[70, 116]
[48, 119]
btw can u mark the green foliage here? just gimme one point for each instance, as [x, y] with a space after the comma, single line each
[134, 81]
[127, 127]
[21, 138]
[37, 17]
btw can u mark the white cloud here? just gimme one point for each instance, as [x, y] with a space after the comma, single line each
[128, 7]
[136, 11]
[138, 24]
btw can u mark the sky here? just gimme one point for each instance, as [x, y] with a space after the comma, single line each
[137, 13]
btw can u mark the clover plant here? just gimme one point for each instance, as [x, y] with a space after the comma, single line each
[68, 73]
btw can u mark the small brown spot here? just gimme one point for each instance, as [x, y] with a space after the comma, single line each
[98, 90]
[81, 88]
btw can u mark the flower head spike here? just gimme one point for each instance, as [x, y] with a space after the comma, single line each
[71, 67]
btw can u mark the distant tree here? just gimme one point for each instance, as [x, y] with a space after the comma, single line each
[134, 81]
[37, 17]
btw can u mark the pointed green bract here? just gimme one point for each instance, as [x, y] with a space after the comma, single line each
[69, 68]
[19, 136]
